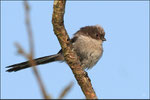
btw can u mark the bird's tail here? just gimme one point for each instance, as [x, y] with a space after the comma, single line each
[38, 61]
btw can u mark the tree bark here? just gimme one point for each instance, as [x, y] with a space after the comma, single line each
[68, 52]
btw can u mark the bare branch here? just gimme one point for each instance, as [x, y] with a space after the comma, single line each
[31, 44]
[66, 90]
[68, 52]
[28, 25]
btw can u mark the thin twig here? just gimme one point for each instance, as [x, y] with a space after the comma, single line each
[31, 54]
[66, 90]
[68, 52]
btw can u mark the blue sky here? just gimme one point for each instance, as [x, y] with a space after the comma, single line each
[122, 72]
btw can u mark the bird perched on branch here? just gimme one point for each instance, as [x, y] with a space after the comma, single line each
[87, 43]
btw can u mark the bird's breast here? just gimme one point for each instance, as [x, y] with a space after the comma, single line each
[89, 50]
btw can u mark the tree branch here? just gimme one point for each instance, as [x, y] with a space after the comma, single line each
[31, 54]
[68, 52]
[66, 90]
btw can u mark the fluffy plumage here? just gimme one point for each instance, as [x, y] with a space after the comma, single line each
[87, 42]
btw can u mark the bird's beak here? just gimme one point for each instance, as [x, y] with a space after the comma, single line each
[103, 39]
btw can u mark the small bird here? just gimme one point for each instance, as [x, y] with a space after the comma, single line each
[87, 43]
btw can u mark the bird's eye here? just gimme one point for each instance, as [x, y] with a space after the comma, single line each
[97, 35]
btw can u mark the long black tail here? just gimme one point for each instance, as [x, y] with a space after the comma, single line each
[42, 60]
